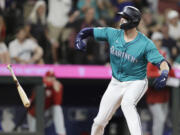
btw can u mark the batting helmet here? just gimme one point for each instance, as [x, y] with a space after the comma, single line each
[132, 15]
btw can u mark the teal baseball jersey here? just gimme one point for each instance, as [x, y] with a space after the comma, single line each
[128, 59]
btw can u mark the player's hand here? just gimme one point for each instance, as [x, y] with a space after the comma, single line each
[80, 44]
[160, 82]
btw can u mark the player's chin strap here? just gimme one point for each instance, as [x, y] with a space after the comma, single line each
[158, 65]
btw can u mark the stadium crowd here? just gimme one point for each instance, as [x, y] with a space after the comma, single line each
[37, 31]
[44, 32]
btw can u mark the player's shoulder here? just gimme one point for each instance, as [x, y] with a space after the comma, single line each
[114, 30]
[108, 29]
[145, 39]
[147, 42]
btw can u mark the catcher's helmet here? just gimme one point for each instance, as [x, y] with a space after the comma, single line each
[132, 15]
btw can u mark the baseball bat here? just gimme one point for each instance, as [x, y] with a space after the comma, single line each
[21, 91]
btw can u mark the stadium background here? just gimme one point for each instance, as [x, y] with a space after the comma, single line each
[83, 88]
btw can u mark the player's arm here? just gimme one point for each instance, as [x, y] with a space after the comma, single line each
[160, 81]
[153, 56]
[97, 33]
[164, 66]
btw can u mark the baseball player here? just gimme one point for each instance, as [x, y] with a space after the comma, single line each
[53, 101]
[157, 100]
[130, 52]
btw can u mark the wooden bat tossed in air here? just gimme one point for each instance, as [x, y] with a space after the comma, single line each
[21, 91]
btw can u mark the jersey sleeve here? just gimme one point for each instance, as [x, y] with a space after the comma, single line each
[101, 33]
[152, 53]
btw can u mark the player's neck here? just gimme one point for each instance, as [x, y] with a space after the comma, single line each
[130, 35]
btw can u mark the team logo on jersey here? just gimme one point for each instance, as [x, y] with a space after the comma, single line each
[123, 55]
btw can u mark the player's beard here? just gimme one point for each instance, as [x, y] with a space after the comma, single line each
[122, 21]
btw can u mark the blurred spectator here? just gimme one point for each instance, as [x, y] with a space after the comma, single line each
[38, 14]
[93, 47]
[153, 5]
[37, 27]
[106, 12]
[119, 5]
[52, 34]
[4, 54]
[169, 43]
[142, 28]
[140, 4]
[157, 99]
[53, 101]
[149, 22]
[83, 5]
[174, 24]
[13, 17]
[57, 19]
[73, 16]
[27, 28]
[157, 39]
[2, 6]
[2, 29]
[25, 50]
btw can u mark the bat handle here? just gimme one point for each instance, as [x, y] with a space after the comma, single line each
[12, 72]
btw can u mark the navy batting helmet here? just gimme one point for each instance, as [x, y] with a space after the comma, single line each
[132, 15]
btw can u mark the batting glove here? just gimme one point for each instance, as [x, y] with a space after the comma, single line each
[80, 43]
[160, 82]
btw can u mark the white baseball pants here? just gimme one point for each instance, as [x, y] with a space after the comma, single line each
[159, 113]
[127, 94]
